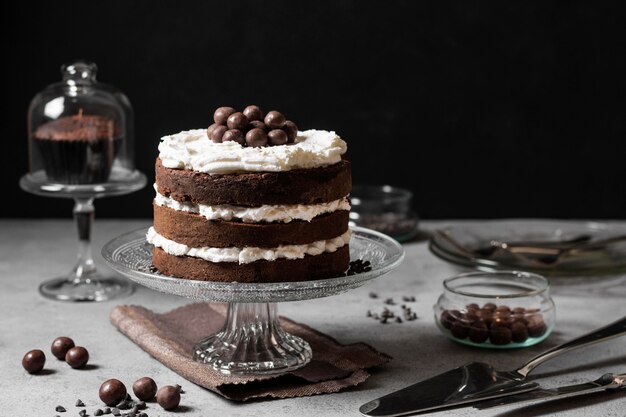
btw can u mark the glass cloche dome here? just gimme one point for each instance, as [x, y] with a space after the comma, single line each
[80, 131]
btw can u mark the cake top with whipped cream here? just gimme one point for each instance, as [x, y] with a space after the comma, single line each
[249, 141]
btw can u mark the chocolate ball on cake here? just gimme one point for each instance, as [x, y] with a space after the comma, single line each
[256, 138]
[220, 116]
[275, 120]
[291, 130]
[234, 135]
[257, 124]
[237, 121]
[217, 133]
[277, 137]
[253, 113]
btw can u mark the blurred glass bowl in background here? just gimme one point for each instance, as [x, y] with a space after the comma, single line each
[384, 208]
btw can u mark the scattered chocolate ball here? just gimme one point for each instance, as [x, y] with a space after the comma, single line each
[34, 361]
[291, 130]
[253, 113]
[237, 121]
[168, 397]
[277, 137]
[60, 346]
[60, 409]
[82, 413]
[217, 133]
[77, 357]
[256, 138]
[79, 403]
[500, 335]
[145, 388]
[234, 135]
[275, 119]
[112, 391]
[221, 115]
[98, 412]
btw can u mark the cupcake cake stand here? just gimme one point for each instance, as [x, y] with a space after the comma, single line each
[252, 342]
[84, 282]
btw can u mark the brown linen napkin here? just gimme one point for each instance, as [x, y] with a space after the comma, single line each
[170, 337]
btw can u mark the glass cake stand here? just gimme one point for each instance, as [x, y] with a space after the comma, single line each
[84, 282]
[252, 342]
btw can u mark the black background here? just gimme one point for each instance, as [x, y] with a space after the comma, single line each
[482, 109]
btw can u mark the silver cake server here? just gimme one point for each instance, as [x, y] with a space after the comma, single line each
[605, 382]
[476, 381]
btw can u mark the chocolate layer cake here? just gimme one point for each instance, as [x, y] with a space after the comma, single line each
[78, 149]
[265, 206]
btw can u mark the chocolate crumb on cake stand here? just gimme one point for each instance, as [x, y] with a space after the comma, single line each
[81, 147]
[253, 342]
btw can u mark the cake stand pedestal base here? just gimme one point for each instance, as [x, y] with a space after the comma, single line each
[94, 288]
[253, 342]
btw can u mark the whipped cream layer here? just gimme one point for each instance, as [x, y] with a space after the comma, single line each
[266, 213]
[193, 150]
[250, 254]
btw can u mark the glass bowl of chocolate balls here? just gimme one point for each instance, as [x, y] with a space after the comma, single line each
[499, 309]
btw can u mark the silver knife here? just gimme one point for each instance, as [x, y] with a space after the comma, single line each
[605, 382]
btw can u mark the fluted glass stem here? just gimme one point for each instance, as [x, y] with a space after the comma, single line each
[253, 341]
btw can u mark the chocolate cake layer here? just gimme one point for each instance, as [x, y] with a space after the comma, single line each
[298, 186]
[326, 265]
[196, 231]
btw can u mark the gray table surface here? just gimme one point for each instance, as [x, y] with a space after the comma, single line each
[34, 250]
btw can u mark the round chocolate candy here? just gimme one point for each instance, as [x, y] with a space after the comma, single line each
[237, 121]
[448, 317]
[77, 357]
[210, 129]
[221, 114]
[490, 306]
[168, 397]
[478, 332]
[256, 138]
[253, 113]
[234, 135]
[536, 326]
[460, 329]
[275, 119]
[277, 137]
[145, 388]
[291, 130]
[500, 335]
[112, 391]
[257, 124]
[217, 133]
[519, 332]
[60, 346]
[518, 310]
[34, 361]
[472, 306]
